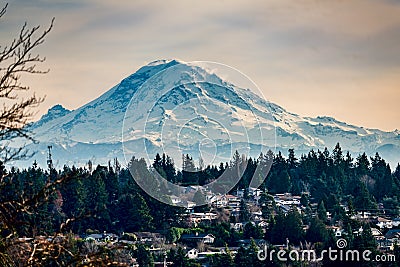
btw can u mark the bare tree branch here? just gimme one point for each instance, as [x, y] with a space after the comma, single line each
[17, 59]
[3, 10]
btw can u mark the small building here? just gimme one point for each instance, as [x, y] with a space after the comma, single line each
[192, 254]
[237, 226]
[384, 223]
[263, 224]
[149, 238]
[104, 237]
[396, 222]
[195, 238]
[393, 233]
[175, 200]
[255, 192]
[337, 231]
[197, 217]
[233, 201]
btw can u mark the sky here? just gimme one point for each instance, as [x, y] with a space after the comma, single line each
[338, 58]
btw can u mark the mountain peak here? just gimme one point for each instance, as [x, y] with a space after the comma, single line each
[169, 97]
[55, 112]
[154, 67]
[57, 107]
[163, 62]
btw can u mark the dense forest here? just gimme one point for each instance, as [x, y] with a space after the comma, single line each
[83, 200]
[113, 197]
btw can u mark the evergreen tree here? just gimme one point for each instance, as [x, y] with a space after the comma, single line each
[348, 161]
[223, 260]
[252, 231]
[134, 213]
[294, 227]
[144, 257]
[362, 199]
[317, 231]
[351, 208]
[337, 155]
[179, 258]
[322, 212]
[158, 166]
[169, 168]
[96, 200]
[189, 174]
[382, 177]
[287, 227]
[304, 200]
[242, 258]
[292, 160]
[362, 165]
[244, 215]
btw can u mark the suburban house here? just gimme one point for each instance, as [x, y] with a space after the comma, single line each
[237, 226]
[192, 254]
[396, 222]
[233, 201]
[197, 217]
[377, 234]
[393, 234]
[104, 237]
[195, 238]
[149, 238]
[175, 200]
[383, 223]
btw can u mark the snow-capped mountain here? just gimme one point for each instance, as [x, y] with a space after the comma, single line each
[177, 107]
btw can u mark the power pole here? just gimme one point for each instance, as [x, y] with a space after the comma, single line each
[49, 159]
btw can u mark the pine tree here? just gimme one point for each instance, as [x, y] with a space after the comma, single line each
[223, 260]
[134, 213]
[244, 215]
[169, 169]
[242, 258]
[348, 161]
[157, 163]
[287, 227]
[362, 198]
[292, 160]
[252, 231]
[322, 212]
[317, 231]
[337, 155]
[189, 175]
[294, 227]
[144, 257]
[97, 199]
[201, 163]
[362, 165]
[382, 177]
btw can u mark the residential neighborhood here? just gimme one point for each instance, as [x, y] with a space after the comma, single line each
[299, 206]
[199, 245]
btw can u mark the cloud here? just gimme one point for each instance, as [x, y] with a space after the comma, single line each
[285, 46]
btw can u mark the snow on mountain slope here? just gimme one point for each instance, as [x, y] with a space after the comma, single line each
[177, 107]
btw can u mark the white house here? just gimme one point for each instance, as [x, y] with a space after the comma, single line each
[175, 199]
[193, 253]
[384, 223]
[204, 238]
